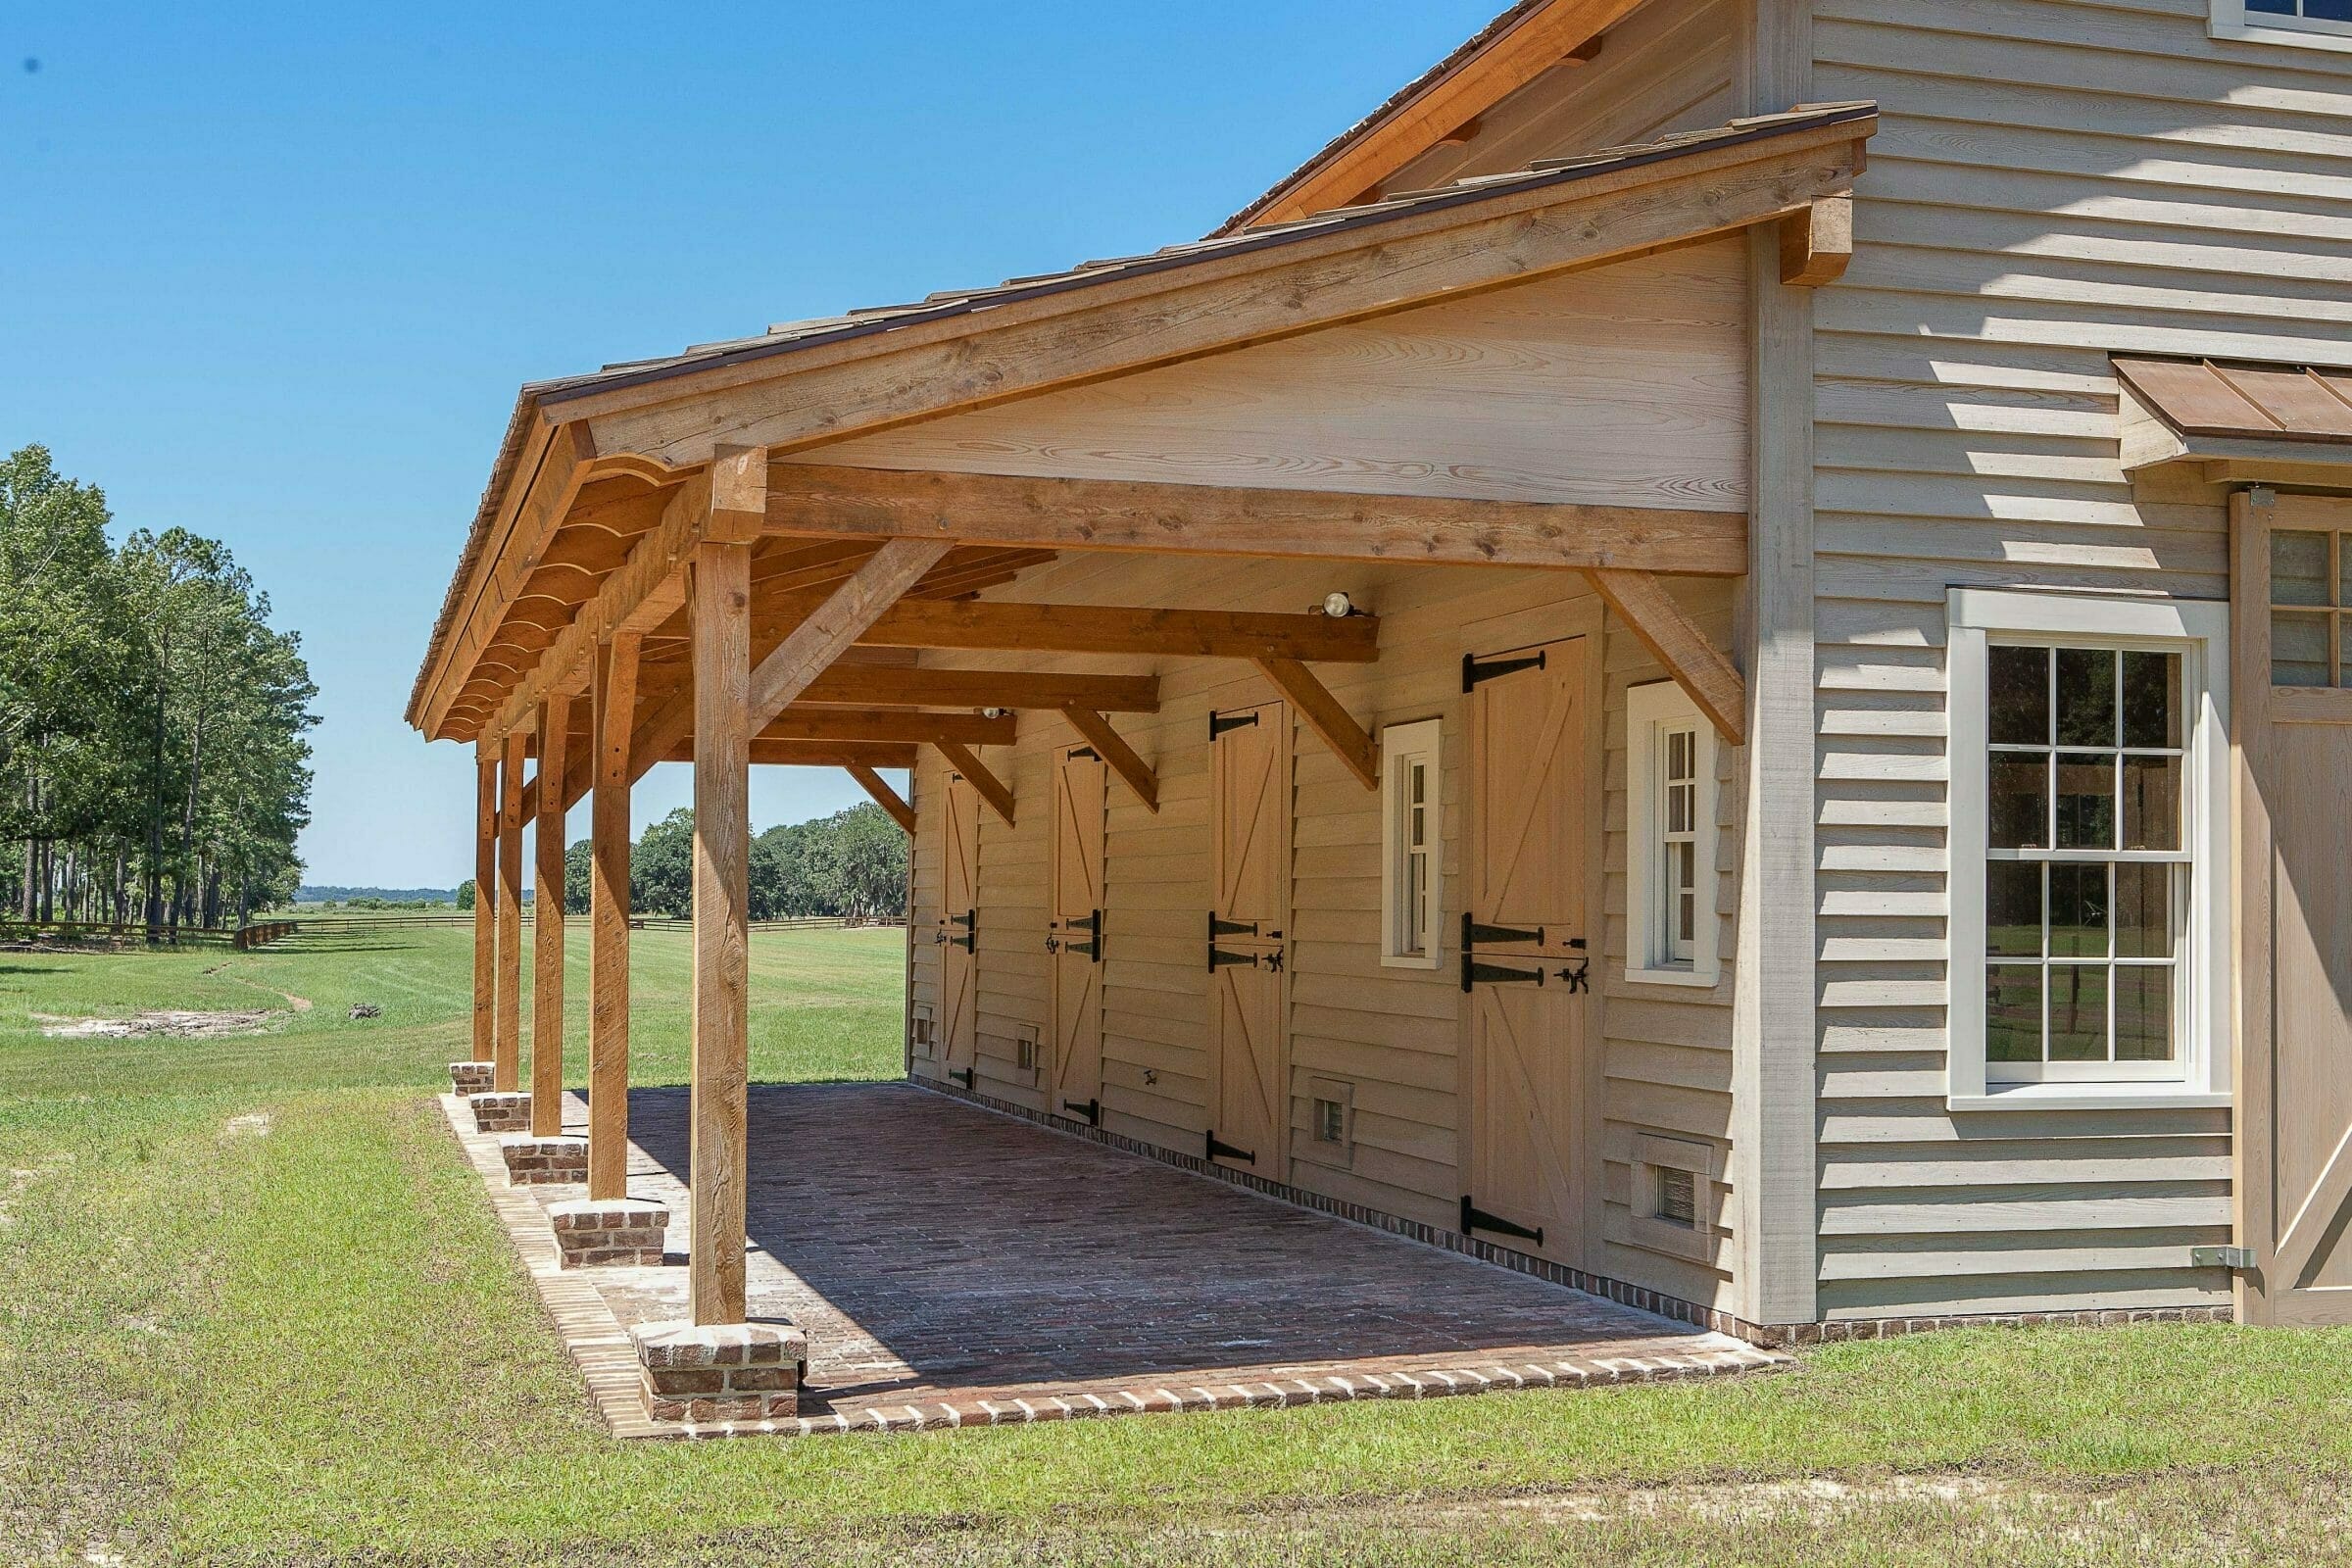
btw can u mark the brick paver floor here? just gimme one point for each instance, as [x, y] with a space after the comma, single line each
[952, 1265]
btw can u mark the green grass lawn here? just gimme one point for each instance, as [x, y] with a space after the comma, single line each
[254, 1308]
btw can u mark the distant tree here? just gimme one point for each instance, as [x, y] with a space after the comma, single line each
[661, 868]
[869, 862]
[579, 868]
[465, 894]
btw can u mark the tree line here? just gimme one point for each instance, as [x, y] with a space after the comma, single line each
[154, 765]
[850, 864]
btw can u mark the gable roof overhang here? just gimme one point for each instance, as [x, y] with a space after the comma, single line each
[624, 444]
[2243, 421]
[1506, 55]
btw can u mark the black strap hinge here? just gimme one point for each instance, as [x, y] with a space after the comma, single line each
[1219, 723]
[1222, 958]
[1090, 1109]
[962, 1075]
[1475, 1218]
[1224, 1151]
[1474, 672]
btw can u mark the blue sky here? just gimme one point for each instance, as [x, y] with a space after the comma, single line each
[274, 273]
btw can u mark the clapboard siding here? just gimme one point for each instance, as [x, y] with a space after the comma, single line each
[1395, 1034]
[2052, 181]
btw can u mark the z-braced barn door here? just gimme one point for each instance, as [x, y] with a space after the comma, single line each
[2291, 703]
[959, 932]
[1249, 827]
[1074, 934]
[1525, 963]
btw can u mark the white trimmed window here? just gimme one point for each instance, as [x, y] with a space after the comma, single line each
[1669, 858]
[2089, 851]
[2309, 24]
[1411, 831]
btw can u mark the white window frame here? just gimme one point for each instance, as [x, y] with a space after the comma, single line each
[2233, 22]
[2201, 632]
[1403, 747]
[1651, 712]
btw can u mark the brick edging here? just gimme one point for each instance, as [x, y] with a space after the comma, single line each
[1772, 1335]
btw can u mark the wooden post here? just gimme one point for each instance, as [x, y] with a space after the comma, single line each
[485, 901]
[718, 605]
[616, 712]
[507, 1048]
[547, 930]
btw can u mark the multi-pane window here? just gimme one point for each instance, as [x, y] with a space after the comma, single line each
[2310, 594]
[2308, 23]
[2302, 9]
[1409, 874]
[1669, 891]
[1678, 841]
[2088, 867]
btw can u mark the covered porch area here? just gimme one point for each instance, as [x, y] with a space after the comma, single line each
[1137, 571]
[1076, 1281]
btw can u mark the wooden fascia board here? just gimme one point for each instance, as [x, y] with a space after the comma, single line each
[1508, 62]
[556, 461]
[1222, 301]
[1220, 520]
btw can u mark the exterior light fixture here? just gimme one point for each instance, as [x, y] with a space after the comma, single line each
[1337, 605]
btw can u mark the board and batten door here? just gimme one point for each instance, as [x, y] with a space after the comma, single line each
[1074, 933]
[1250, 874]
[958, 935]
[1535, 759]
[2291, 706]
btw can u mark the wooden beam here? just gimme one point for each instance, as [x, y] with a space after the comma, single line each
[615, 711]
[984, 688]
[506, 1046]
[1696, 664]
[875, 785]
[719, 588]
[1132, 769]
[815, 753]
[1111, 629]
[547, 921]
[797, 723]
[1228, 519]
[1327, 718]
[485, 902]
[992, 788]
[1816, 244]
[834, 622]
[808, 394]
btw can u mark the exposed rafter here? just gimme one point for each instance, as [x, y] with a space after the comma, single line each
[890, 799]
[992, 788]
[1327, 718]
[1133, 771]
[1676, 642]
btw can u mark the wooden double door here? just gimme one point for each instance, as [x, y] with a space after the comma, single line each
[1249, 916]
[1529, 948]
[2292, 724]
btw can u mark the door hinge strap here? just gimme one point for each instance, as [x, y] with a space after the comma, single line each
[1224, 1151]
[2221, 1257]
[1090, 1109]
[1474, 934]
[1475, 1218]
[1474, 672]
[1475, 973]
[1230, 928]
[962, 1075]
[1219, 723]
[1222, 958]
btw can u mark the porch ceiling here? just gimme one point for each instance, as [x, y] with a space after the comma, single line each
[607, 482]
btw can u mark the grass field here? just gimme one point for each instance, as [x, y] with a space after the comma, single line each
[254, 1308]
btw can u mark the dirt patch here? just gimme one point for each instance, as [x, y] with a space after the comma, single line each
[298, 1004]
[167, 1024]
[252, 1124]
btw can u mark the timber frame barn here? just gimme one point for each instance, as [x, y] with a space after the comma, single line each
[1709, 657]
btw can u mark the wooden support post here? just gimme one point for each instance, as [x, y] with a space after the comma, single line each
[719, 601]
[875, 785]
[1133, 771]
[614, 700]
[992, 788]
[1696, 664]
[507, 1042]
[1326, 718]
[547, 923]
[485, 902]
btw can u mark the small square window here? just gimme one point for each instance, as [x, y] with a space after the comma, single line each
[1673, 1200]
[1677, 1198]
[1329, 1123]
[1024, 1055]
